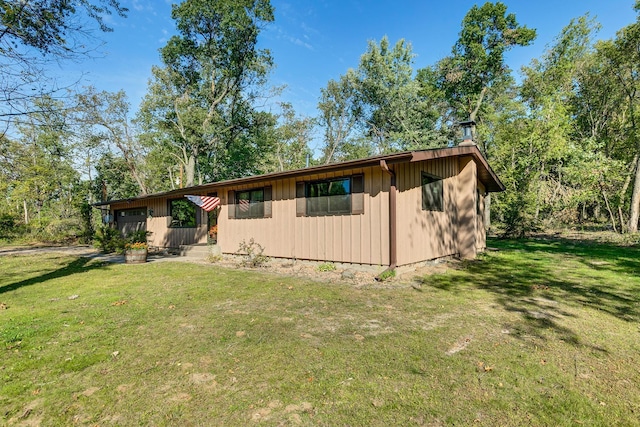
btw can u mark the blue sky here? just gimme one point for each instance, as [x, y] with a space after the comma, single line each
[315, 41]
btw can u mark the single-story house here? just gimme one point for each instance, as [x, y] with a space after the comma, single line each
[388, 210]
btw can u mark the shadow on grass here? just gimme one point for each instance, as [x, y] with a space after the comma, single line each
[76, 266]
[537, 278]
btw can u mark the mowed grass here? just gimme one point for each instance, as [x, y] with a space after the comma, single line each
[535, 333]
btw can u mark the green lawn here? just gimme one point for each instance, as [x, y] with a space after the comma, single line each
[536, 333]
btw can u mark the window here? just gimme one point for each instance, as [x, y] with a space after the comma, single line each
[134, 212]
[432, 193]
[250, 203]
[338, 196]
[330, 197]
[254, 203]
[183, 213]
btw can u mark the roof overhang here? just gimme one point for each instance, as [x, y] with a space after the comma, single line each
[485, 174]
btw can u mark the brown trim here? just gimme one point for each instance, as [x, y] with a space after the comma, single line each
[301, 201]
[231, 204]
[267, 202]
[393, 247]
[485, 173]
[357, 194]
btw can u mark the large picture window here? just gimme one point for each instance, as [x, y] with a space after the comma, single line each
[250, 203]
[335, 196]
[183, 213]
[432, 193]
[330, 197]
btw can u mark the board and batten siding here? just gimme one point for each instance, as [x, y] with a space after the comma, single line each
[160, 234]
[352, 238]
[421, 234]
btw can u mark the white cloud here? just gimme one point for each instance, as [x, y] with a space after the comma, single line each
[281, 34]
[137, 6]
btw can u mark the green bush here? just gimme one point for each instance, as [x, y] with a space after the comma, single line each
[386, 275]
[253, 253]
[87, 232]
[109, 240]
[7, 226]
[327, 266]
[61, 230]
[138, 236]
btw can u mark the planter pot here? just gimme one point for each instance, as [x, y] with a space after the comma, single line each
[135, 256]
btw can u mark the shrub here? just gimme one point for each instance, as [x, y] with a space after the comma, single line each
[108, 239]
[7, 225]
[87, 232]
[138, 236]
[253, 253]
[61, 230]
[386, 275]
[327, 266]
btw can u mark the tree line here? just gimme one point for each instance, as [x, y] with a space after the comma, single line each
[563, 137]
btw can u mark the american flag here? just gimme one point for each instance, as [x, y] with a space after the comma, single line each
[244, 205]
[208, 203]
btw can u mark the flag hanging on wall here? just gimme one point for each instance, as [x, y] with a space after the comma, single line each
[208, 203]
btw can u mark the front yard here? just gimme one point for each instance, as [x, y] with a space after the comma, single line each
[536, 333]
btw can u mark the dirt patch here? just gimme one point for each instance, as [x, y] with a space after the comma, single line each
[355, 274]
[458, 346]
[90, 391]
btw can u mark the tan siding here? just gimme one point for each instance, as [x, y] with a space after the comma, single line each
[467, 218]
[341, 238]
[362, 238]
[160, 234]
[424, 235]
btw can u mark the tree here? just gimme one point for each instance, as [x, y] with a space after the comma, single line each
[338, 116]
[33, 33]
[42, 186]
[104, 117]
[475, 77]
[378, 107]
[200, 101]
[113, 179]
[477, 60]
[290, 140]
[392, 112]
[608, 106]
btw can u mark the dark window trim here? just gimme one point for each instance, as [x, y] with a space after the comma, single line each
[308, 197]
[434, 179]
[356, 196]
[234, 202]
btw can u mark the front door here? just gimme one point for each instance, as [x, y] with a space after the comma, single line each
[212, 223]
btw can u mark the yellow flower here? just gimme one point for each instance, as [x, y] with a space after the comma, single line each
[136, 246]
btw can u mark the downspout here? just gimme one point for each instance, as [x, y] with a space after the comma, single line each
[393, 247]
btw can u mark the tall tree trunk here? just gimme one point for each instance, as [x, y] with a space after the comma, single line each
[635, 201]
[611, 215]
[487, 211]
[191, 170]
[26, 212]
